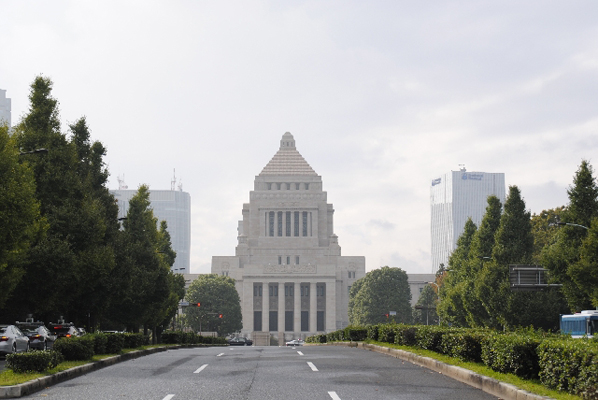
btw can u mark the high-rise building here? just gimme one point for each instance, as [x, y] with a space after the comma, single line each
[4, 108]
[172, 206]
[455, 197]
[289, 272]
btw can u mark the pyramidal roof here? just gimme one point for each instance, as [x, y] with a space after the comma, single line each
[288, 161]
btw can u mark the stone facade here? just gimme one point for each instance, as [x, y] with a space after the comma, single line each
[291, 277]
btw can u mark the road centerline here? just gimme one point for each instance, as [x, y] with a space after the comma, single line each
[312, 366]
[300, 353]
[221, 354]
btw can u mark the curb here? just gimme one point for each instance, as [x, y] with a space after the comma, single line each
[489, 385]
[23, 389]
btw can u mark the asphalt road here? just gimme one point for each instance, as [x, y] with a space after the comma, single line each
[263, 373]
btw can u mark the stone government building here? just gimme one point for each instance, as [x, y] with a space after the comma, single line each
[291, 277]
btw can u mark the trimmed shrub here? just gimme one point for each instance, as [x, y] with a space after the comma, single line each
[405, 335]
[570, 365]
[465, 344]
[75, 348]
[99, 342]
[373, 332]
[171, 337]
[512, 353]
[135, 340]
[33, 361]
[429, 337]
[115, 343]
[355, 333]
[386, 333]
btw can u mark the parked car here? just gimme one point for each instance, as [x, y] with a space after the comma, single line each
[64, 329]
[12, 340]
[295, 342]
[240, 342]
[40, 337]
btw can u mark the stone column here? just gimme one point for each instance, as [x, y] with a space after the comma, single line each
[330, 306]
[247, 306]
[281, 310]
[297, 308]
[313, 307]
[265, 307]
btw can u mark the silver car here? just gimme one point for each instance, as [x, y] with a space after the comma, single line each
[12, 340]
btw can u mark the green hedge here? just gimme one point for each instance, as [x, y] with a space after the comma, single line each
[75, 348]
[33, 361]
[570, 365]
[355, 333]
[464, 344]
[512, 353]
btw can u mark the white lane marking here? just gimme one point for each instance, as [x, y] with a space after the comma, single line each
[198, 370]
[300, 353]
[221, 354]
[230, 348]
[334, 396]
[170, 396]
[312, 366]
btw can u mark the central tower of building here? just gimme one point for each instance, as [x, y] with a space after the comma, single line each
[289, 272]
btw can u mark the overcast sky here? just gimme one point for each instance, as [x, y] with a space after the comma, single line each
[381, 97]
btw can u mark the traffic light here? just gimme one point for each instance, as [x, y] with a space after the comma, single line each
[198, 304]
[219, 315]
[386, 315]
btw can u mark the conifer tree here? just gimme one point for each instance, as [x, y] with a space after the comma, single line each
[450, 308]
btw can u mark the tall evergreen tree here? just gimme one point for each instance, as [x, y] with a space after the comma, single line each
[480, 252]
[560, 257]
[513, 245]
[451, 309]
[20, 221]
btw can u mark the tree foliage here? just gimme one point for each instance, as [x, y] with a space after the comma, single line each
[380, 291]
[20, 221]
[563, 258]
[217, 295]
[425, 308]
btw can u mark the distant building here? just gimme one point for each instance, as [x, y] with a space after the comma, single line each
[417, 283]
[454, 197]
[174, 207]
[291, 277]
[5, 108]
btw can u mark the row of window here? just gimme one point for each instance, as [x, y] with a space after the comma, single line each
[289, 290]
[287, 186]
[289, 321]
[287, 259]
[288, 223]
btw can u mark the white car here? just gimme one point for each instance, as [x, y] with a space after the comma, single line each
[12, 340]
[295, 342]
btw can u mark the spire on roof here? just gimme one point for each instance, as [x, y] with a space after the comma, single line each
[288, 161]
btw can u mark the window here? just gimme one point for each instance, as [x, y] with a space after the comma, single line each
[279, 223]
[349, 289]
[305, 290]
[288, 186]
[288, 260]
[307, 186]
[296, 260]
[224, 273]
[297, 186]
[296, 230]
[304, 230]
[351, 274]
[279, 260]
[271, 223]
[288, 290]
[269, 186]
[278, 186]
[320, 289]
[288, 223]
[421, 289]
[271, 290]
[257, 290]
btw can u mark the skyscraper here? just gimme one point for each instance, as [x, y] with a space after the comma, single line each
[174, 207]
[454, 197]
[288, 268]
[4, 108]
